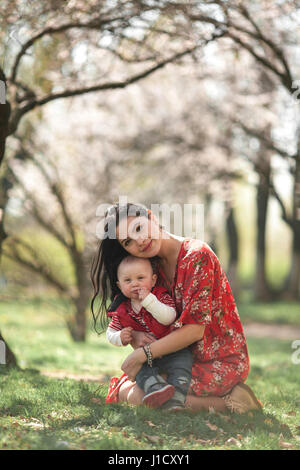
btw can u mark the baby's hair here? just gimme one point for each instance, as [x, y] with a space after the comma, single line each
[132, 259]
[121, 297]
[108, 257]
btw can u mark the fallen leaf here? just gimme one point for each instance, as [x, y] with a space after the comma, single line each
[151, 424]
[34, 425]
[285, 445]
[268, 421]
[96, 400]
[233, 441]
[212, 427]
[203, 441]
[153, 439]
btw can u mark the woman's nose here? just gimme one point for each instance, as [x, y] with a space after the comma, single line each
[140, 241]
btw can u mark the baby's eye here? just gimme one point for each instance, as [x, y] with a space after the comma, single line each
[141, 277]
[138, 228]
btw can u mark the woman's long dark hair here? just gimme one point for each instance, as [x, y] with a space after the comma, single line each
[107, 259]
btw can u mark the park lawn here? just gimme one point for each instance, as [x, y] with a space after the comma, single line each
[40, 412]
[273, 312]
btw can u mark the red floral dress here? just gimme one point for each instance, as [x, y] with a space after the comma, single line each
[203, 296]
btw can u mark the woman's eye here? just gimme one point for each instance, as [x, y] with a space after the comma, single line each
[138, 228]
[127, 243]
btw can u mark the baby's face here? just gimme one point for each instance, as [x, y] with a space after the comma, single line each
[133, 274]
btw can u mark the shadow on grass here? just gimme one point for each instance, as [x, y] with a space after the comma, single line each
[124, 424]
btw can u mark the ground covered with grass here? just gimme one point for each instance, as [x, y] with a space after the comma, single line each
[42, 412]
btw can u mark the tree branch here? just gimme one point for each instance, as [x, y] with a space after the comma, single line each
[37, 266]
[93, 24]
[268, 143]
[56, 191]
[19, 113]
[38, 215]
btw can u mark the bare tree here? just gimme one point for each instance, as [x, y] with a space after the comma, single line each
[103, 30]
[264, 31]
[126, 37]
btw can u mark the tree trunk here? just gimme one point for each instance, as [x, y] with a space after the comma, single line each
[210, 234]
[4, 120]
[261, 287]
[9, 359]
[77, 327]
[293, 281]
[233, 245]
[262, 291]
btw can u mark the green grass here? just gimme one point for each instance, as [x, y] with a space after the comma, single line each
[36, 332]
[274, 312]
[39, 412]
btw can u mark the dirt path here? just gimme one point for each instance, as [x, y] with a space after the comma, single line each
[271, 330]
[62, 374]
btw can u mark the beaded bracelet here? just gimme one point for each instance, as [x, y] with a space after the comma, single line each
[148, 353]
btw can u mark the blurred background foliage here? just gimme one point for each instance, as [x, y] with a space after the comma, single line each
[162, 102]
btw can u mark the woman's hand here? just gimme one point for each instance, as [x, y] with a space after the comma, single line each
[139, 339]
[133, 363]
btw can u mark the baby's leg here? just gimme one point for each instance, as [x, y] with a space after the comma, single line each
[131, 393]
[179, 373]
[179, 369]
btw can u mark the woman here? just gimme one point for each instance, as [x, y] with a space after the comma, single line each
[208, 317]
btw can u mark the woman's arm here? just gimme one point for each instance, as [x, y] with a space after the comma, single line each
[178, 339]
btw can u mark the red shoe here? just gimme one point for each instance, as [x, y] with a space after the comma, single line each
[159, 395]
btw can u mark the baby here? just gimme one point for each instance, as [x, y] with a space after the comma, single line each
[149, 308]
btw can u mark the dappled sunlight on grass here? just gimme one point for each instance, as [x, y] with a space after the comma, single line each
[39, 412]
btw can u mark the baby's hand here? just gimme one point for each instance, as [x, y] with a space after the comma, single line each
[126, 335]
[143, 292]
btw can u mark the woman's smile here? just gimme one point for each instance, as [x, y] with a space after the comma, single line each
[148, 246]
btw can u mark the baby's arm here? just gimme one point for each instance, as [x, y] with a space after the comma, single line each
[116, 334]
[163, 313]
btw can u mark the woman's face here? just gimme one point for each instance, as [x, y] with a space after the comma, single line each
[140, 236]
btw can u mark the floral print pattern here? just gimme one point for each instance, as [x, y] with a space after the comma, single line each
[203, 296]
